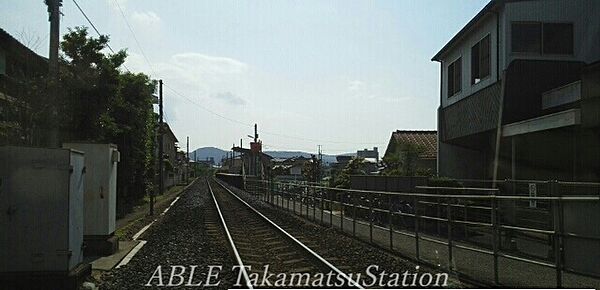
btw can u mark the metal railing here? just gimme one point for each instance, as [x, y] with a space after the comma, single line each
[480, 220]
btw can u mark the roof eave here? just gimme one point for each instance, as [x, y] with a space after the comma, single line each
[488, 8]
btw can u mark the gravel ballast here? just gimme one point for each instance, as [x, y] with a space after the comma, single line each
[180, 238]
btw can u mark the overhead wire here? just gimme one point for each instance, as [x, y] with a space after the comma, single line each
[196, 103]
[135, 37]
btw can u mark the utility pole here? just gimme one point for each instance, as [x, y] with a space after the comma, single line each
[255, 133]
[161, 154]
[187, 161]
[255, 155]
[320, 166]
[54, 18]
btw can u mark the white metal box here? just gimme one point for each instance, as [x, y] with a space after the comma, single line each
[41, 209]
[100, 190]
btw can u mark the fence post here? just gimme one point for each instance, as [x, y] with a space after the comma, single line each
[314, 203]
[272, 187]
[371, 217]
[391, 220]
[416, 208]
[342, 211]
[307, 199]
[449, 227]
[466, 219]
[557, 224]
[495, 240]
[322, 205]
[288, 200]
[294, 203]
[266, 190]
[353, 215]
[331, 208]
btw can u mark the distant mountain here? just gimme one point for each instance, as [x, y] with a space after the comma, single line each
[208, 152]
[216, 153]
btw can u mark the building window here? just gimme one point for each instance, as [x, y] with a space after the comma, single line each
[454, 77]
[558, 38]
[542, 38]
[527, 37]
[480, 60]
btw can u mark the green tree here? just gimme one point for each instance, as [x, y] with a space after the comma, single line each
[89, 85]
[134, 133]
[100, 103]
[354, 167]
[311, 169]
[403, 161]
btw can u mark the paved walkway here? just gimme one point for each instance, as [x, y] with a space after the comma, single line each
[434, 250]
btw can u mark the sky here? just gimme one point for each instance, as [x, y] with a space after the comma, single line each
[342, 74]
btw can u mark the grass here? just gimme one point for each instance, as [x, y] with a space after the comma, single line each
[169, 192]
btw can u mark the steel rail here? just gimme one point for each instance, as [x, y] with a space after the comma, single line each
[296, 241]
[230, 240]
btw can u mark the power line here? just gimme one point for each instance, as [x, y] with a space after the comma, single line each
[197, 104]
[207, 109]
[317, 140]
[263, 131]
[134, 37]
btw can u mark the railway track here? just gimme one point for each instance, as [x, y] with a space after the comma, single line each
[261, 247]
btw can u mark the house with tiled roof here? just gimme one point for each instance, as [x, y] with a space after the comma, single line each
[425, 141]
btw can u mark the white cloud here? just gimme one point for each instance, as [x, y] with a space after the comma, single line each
[371, 92]
[213, 81]
[355, 85]
[205, 64]
[113, 4]
[145, 19]
[231, 98]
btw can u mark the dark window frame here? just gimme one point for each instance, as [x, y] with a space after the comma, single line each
[541, 50]
[481, 59]
[512, 37]
[454, 77]
[571, 40]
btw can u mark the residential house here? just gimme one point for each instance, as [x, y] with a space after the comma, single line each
[297, 164]
[424, 142]
[209, 162]
[366, 153]
[19, 68]
[526, 71]
[181, 167]
[171, 175]
[252, 162]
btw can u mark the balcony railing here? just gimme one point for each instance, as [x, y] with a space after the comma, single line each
[562, 95]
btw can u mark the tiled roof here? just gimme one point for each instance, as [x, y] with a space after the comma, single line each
[426, 139]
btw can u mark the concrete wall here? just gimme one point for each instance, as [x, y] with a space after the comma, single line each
[386, 183]
[460, 162]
